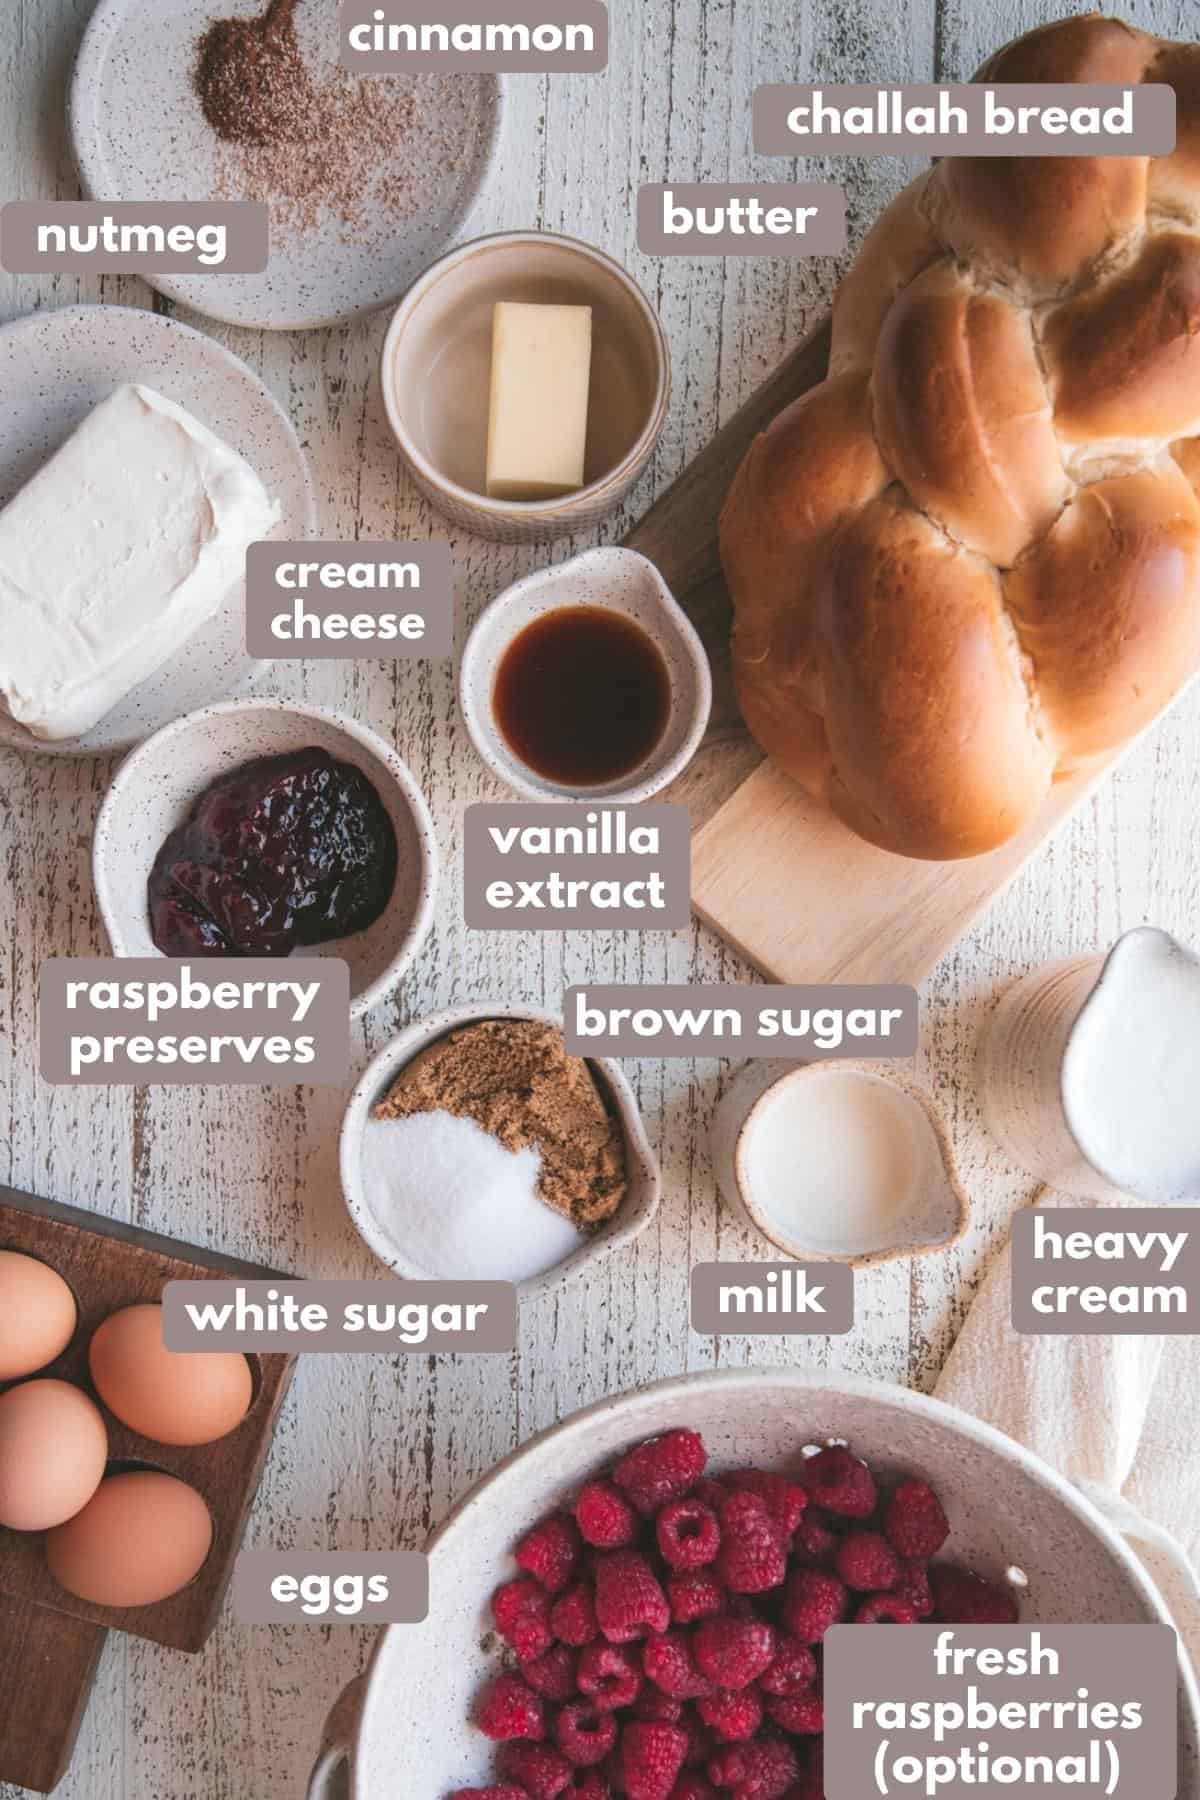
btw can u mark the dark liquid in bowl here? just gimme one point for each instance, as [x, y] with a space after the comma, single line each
[582, 696]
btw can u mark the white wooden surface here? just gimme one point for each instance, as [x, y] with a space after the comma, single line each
[371, 1451]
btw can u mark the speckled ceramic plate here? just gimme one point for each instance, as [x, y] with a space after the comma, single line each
[139, 134]
[54, 368]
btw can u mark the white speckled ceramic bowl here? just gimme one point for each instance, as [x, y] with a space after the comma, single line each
[436, 378]
[154, 787]
[931, 1217]
[625, 582]
[633, 1215]
[138, 133]
[403, 1727]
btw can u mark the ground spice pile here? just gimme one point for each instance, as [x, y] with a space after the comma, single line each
[251, 78]
[515, 1078]
[305, 134]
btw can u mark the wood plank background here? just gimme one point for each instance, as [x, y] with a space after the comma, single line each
[371, 1451]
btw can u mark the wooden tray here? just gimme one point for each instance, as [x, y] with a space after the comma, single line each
[773, 871]
[47, 1665]
[107, 1265]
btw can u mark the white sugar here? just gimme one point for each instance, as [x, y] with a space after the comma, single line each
[457, 1203]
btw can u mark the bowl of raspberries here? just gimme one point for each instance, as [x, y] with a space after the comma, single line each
[633, 1607]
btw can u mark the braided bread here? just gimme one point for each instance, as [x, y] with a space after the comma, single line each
[968, 562]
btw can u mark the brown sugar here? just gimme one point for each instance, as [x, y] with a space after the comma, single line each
[515, 1078]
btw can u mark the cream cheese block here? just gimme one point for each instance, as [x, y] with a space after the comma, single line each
[128, 540]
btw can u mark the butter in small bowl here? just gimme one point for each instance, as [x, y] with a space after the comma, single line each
[550, 349]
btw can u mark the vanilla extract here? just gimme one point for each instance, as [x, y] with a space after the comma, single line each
[582, 696]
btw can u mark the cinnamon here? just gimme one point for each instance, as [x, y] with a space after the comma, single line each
[251, 78]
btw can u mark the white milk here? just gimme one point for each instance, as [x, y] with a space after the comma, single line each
[843, 1162]
[1131, 1075]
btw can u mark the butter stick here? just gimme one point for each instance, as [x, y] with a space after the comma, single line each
[537, 424]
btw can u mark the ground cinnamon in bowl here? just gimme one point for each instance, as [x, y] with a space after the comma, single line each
[515, 1078]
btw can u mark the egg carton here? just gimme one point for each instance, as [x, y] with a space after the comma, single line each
[108, 1265]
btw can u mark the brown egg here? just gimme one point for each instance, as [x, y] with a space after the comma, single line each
[142, 1536]
[171, 1396]
[53, 1448]
[37, 1315]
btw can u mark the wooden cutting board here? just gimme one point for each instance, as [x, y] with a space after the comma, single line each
[773, 871]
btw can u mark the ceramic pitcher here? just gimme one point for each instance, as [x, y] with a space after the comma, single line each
[1086, 1066]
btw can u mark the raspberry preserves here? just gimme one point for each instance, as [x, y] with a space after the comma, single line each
[283, 851]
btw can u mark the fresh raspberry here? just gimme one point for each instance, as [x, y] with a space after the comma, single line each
[662, 1469]
[885, 1609]
[629, 1600]
[866, 1561]
[840, 1483]
[734, 1652]
[914, 1522]
[667, 1662]
[793, 1670]
[711, 1492]
[913, 1586]
[691, 1786]
[688, 1534]
[573, 1616]
[514, 1598]
[553, 1675]
[815, 1540]
[585, 1734]
[550, 1552]
[785, 1500]
[521, 1610]
[732, 1718]
[961, 1598]
[813, 1602]
[753, 1553]
[658, 1707]
[542, 1772]
[764, 1770]
[609, 1676]
[509, 1708]
[605, 1517]
[694, 1597]
[651, 1758]
[588, 1784]
[801, 1714]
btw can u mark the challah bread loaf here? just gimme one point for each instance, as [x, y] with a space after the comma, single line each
[969, 561]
